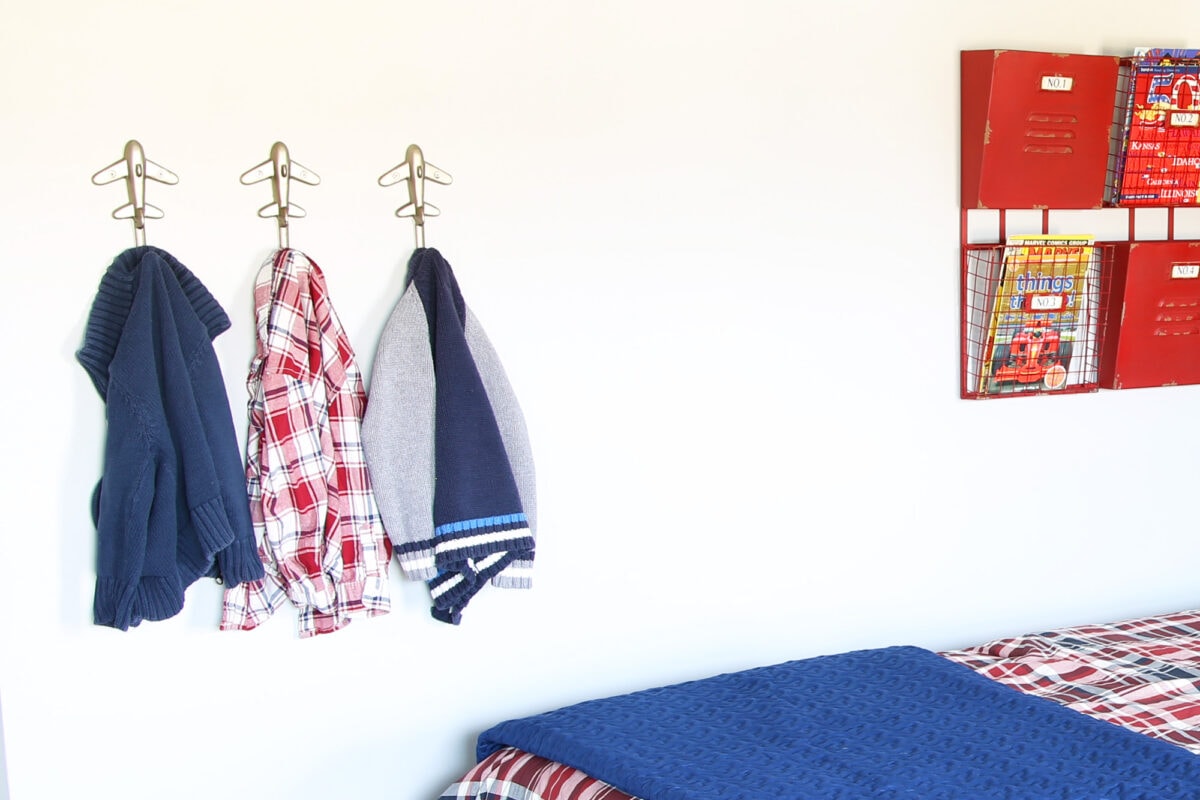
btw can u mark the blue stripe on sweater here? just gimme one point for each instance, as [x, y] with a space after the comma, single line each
[502, 522]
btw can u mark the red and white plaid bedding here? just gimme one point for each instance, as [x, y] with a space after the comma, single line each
[512, 774]
[1142, 673]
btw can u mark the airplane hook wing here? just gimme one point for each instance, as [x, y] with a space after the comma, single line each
[157, 172]
[258, 173]
[272, 210]
[113, 172]
[436, 175]
[303, 174]
[394, 175]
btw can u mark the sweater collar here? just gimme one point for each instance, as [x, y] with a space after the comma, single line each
[115, 298]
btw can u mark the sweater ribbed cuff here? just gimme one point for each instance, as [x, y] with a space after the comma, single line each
[471, 554]
[453, 589]
[240, 562]
[471, 540]
[123, 604]
[417, 561]
[517, 575]
[212, 526]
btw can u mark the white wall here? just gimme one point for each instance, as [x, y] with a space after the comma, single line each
[717, 246]
[3, 764]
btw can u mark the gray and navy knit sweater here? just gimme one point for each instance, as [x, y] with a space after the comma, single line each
[446, 446]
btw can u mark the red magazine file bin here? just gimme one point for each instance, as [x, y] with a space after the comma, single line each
[1153, 330]
[1037, 128]
[1068, 358]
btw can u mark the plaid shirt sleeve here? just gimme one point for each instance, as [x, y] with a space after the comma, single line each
[364, 551]
[322, 541]
[251, 603]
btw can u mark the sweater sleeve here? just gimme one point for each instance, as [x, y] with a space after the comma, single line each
[177, 342]
[398, 435]
[238, 560]
[133, 508]
[511, 422]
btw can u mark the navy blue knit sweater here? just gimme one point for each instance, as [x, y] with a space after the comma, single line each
[171, 506]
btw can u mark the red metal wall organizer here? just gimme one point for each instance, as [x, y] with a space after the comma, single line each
[1050, 131]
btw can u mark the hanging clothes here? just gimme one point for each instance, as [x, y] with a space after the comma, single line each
[447, 446]
[322, 541]
[171, 506]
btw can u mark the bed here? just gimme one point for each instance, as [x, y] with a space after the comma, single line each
[1100, 712]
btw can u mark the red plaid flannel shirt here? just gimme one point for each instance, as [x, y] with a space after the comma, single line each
[321, 538]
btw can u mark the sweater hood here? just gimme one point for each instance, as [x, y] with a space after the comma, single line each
[115, 298]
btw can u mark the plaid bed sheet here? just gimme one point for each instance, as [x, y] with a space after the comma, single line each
[1143, 674]
[512, 774]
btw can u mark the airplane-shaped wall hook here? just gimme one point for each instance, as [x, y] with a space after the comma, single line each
[281, 170]
[134, 167]
[416, 170]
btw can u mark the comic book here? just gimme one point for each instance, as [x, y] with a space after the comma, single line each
[1042, 330]
[1159, 161]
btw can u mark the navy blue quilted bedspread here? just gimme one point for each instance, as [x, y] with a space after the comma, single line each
[897, 722]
